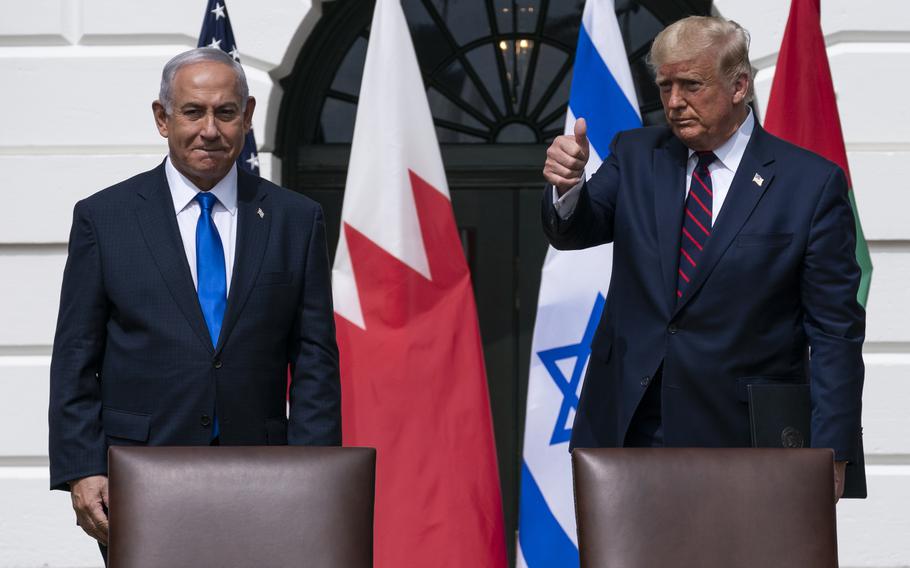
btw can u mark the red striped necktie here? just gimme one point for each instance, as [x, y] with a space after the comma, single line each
[697, 221]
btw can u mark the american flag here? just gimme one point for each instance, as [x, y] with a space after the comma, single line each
[217, 32]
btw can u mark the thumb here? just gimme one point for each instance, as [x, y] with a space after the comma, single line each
[581, 133]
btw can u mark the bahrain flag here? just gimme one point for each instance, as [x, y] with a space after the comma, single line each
[412, 369]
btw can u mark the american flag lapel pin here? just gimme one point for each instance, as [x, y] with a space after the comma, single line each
[261, 213]
[758, 180]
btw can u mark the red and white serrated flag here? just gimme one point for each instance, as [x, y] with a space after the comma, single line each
[412, 370]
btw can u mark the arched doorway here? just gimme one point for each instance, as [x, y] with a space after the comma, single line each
[497, 74]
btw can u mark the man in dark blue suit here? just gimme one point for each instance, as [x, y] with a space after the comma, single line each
[733, 262]
[188, 293]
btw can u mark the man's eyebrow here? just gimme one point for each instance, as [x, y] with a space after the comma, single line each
[684, 77]
[196, 105]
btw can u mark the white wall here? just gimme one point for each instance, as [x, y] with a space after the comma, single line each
[869, 52]
[79, 78]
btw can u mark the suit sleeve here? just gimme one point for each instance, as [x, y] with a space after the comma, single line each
[834, 321]
[315, 393]
[591, 222]
[76, 439]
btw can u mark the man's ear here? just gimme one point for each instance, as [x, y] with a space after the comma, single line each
[248, 114]
[160, 118]
[740, 88]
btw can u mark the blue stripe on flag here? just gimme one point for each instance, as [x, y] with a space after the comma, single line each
[598, 98]
[544, 543]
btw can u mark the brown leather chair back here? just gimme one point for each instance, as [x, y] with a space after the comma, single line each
[241, 506]
[705, 508]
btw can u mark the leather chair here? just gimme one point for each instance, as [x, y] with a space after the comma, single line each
[705, 508]
[241, 506]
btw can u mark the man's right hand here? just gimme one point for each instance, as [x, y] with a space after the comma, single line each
[566, 159]
[90, 501]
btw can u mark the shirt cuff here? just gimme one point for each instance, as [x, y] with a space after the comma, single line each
[565, 205]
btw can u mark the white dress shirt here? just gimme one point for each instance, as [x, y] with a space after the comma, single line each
[729, 155]
[224, 213]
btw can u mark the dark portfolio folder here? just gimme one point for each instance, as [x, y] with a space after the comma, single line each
[780, 417]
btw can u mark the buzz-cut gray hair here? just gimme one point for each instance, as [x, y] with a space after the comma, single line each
[686, 38]
[198, 55]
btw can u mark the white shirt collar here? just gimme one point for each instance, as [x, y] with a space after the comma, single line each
[730, 153]
[183, 191]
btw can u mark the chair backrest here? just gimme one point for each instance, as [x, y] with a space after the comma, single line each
[705, 507]
[241, 506]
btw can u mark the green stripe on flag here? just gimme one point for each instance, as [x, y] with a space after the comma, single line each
[862, 257]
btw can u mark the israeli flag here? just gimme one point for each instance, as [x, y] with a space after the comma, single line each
[573, 292]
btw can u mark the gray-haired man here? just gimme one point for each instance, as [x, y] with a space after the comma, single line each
[188, 292]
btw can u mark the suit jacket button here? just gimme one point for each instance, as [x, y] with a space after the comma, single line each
[217, 364]
[206, 420]
[672, 329]
[645, 381]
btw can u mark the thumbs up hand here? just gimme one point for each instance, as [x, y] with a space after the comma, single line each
[581, 136]
[566, 158]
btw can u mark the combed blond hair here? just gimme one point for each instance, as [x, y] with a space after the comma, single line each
[686, 38]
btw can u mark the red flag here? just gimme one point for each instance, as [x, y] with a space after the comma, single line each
[802, 107]
[413, 379]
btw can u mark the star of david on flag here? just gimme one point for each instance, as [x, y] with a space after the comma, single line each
[603, 93]
[569, 386]
[217, 32]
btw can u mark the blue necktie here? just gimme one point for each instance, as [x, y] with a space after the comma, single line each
[210, 273]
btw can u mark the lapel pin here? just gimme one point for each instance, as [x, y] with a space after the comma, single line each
[262, 214]
[758, 180]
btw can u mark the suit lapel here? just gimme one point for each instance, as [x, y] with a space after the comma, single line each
[252, 237]
[158, 223]
[669, 200]
[742, 198]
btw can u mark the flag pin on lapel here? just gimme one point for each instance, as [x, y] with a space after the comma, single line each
[758, 180]
[262, 214]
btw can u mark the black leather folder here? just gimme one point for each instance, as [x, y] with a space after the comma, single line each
[780, 417]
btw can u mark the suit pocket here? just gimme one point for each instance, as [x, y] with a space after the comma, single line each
[126, 425]
[764, 240]
[742, 383]
[276, 431]
[274, 278]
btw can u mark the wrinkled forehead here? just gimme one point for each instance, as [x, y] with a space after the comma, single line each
[705, 65]
[207, 80]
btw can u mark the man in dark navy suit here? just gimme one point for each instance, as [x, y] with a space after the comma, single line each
[733, 262]
[188, 292]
